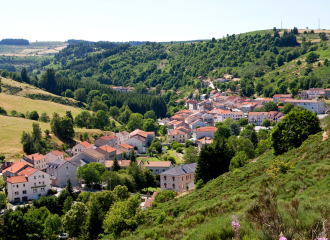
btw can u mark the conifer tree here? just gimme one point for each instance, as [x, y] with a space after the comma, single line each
[132, 156]
[69, 187]
[115, 166]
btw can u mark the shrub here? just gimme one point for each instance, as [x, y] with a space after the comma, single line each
[161, 218]
[200, 184]
[179, 150]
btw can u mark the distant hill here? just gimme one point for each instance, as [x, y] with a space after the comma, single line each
[11, 41]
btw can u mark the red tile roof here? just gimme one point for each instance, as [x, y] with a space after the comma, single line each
[36, 156]
[16, 179]
[177, 132]
[27, 171]
[17, 166]
[206, 129]
[85, 144]
[57, 153]
[108, 137]
[107, 148]
[142, 133]
[125, 145]
[157, 164]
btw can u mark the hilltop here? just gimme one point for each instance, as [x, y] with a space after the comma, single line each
[301, 173]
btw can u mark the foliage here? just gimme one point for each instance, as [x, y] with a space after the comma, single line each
[266, 123]
[91, 173]
[165, 196]
[74, 220]
[44, 118]
[293, 130]
[135, 122]
[190, 155]
[312, 57]
[234, 128]
[150, 178]
[115, 167]
[243, 122]
[135, 171]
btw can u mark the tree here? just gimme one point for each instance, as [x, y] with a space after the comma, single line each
[163, 130]
[98, 105]
[266, 123]
[135, 171]
[55, 124]
[287, 108]
[242, 144]
[222, 131]
[254, 138]
[323, 36]
[66, 128]
[3, 111]
[75, 219]
[234, 128]
[191, 155]
[80, 95]
[123, 216]
[34, 115]
[228, 121]
[150, 178]
[122, 192]
[47, 80]
[312, 57]
[149, 125]
[135, 122]
[69, 93]
[69, 187]
[132, 156]
[101, 120]
[115, 166]
[91, 173]
[52, 226]
[293, 130]
[239, 160]
[270, 106]
[69, 115]
[114, 111]
[84, 119]
[213, 160]
[150, 114]
[24, 75]
[67, 204]
[44, 118]
[157, 145]
[14, 113]
[280, 60]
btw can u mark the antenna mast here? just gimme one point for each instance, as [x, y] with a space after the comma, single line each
[281, 24]
[319, 24]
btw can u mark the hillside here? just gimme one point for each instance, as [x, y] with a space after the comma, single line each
[301, 173]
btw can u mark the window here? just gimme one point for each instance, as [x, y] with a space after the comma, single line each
[182, 178]
[23, 185]
[165, 184]
[35, 177]
[43, 183]
[39, 182]
[17, 186]
[173, 178]
[165, 177]
[67, 167]
[42, 189]
[157, 170]
[67, 174]
[16, 193]
[35, 190]
[24, 192]
[35, 184]
[173, 185]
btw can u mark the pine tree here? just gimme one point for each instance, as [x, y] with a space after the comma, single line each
[132, 156]
[115, 166]
[254, 138]
[69, 187]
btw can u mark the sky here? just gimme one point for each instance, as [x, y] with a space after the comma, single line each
[159, 21]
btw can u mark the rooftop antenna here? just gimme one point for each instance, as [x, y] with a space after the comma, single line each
[319, 24]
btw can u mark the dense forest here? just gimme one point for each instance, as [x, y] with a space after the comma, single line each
[11, 41]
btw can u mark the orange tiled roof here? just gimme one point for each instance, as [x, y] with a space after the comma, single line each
[86, 144]
[36, 156]
[125, 145]
[16, 179]
[27, 171]
[157, 164]
[206, 129]
[177, 132]
[57, 153]
[108, 137]
[17, 166]
[107, 148]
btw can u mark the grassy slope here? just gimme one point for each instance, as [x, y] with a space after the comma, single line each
[234, 191]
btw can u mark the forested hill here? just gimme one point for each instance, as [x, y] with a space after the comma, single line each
[11, 41]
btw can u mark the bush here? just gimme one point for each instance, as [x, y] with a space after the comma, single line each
[179, 150]
[200, 184]
[3, 111]
[175, 145]
[161, 218]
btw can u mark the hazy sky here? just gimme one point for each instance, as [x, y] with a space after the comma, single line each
[140, 20]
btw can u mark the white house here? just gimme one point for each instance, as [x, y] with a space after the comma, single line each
[316, 106]
[53, 155]
[193, 125]
[223, 114]
[89, 155]
[38, 160]
[121, 137]
[80, 147]
[61, 171]
[29, 184]
[177, 178]
[158, 167]
[140, 140]
[203, 132]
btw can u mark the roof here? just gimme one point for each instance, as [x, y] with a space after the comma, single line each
[237, 113]
[206, 129]
[16, 179]
[108, 137]
[56, 163]
[195, 122]
[139, 137]
[36, 156]
[214, 91]
[85, 144]
[79, 162]
[181, 170]
[57, 153]
[192, 102]
[107, 148]
[177, 116]
[207, 140]
[142, 133]
[27, 172]
[177, 132]
[93, 153]
[157, 164]
[17, 166]
[258, 113]
[122, 163]
[148, 202]
[125, 145]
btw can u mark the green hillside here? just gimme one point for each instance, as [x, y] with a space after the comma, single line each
[301, 173]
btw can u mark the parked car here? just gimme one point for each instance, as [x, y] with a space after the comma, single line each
[63, 236]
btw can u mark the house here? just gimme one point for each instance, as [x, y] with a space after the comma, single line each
[193, 118]
[177, 135]
[87, 156]
[277, 97]
[316, 106]
[237, 115]
[177, 178]
[106, 140]
[158, 167]
[164, 121]
[60, 171]
[123, 148]
[193, 125]
[123, 164]
[203, 97]
[53, 155]
[121, 89]
[29, 184]
[212, 93]
[38, 160]
[108, 151]
[121, 137]
[223, 114]
[80, 147]
[191, 105]
[15, 168]
[257, 117]
[204, 140]
[185, 111]
[203, 132]
[177, 118]
[140, 140]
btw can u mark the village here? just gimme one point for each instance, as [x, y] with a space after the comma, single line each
[33, 175]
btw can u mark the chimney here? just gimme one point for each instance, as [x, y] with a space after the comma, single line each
[32, 157]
